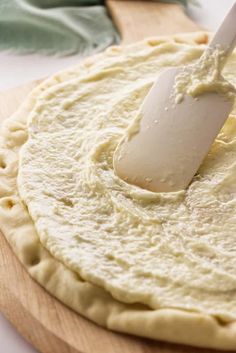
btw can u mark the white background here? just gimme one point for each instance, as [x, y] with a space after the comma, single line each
[15, 70]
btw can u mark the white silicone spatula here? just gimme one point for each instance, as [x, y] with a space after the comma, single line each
[173, 139]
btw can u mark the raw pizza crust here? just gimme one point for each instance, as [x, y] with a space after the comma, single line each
[164, 250]
[87, 299]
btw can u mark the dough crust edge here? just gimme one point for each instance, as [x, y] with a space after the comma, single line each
[93, 302]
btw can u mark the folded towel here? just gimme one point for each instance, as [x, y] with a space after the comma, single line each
[62, 27]
[55, 26]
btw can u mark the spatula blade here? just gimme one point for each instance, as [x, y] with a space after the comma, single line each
[173, 139]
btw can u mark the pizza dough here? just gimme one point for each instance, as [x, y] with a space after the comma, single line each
[140, 246]
[186, 283]
[204, 76]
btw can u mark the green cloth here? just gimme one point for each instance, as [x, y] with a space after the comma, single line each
[182, 2]
[61, 27]
[64, 27]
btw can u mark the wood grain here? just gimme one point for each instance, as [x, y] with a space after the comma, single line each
[136, 20]
[48, 324]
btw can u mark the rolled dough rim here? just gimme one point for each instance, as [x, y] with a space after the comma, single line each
[176, 326]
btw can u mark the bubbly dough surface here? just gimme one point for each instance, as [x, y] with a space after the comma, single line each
[174, 250]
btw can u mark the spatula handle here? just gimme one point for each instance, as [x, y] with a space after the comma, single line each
[226, 33]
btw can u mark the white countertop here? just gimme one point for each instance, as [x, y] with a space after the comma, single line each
[16, 70]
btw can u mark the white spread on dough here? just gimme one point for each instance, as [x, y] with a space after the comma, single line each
[173, 250]
[203, 76]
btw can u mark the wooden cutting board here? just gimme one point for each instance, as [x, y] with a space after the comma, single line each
[49, 325]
